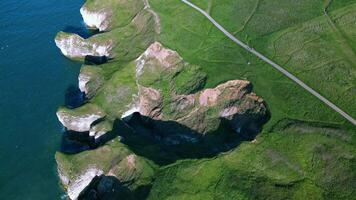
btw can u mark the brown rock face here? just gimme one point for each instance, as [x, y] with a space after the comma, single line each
[226, 101]
[161, 74]
[151, 103]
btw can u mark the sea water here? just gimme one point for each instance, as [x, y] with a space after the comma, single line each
[34, 78]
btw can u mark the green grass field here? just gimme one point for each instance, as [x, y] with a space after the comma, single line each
[305, 151]
[309, 157]
[296, 160]
[202, 44]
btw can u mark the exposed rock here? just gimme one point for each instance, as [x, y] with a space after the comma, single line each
[161, 86]
[76, 47]
[122, 43]
[95, 19]
[76, 186]
[105, 187]
[158, 63]
[129, 27]
[80, 119]
[83, 79]
[131, 160]
[90, 80]
[162, 74]
[107, 15]
[100, 129]
[129, 112]
[150, 102]
[113, 159]
[131, 30]
[162, 57]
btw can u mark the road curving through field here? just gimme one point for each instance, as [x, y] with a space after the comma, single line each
[270, 62]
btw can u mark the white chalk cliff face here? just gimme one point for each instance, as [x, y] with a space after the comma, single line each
[74, 46]
[95, 19]
[81, 119]
[83, 79]
[90, 80]
[78, 124]
[74, 188]
[100, 129]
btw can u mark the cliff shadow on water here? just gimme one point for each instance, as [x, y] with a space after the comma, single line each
[74, 98]
[82, 31]
[165, 142]
[86, 33]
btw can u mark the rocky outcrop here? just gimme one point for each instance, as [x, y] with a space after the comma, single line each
[76, 186]
[74, 46]
[150, 103]
[105, 187]
[169, 91]
[90, 79]
[166, 89]
[107, 15]
[114, 159]
[100, 129]
[80, 119]
[96, 19]
[124, 41]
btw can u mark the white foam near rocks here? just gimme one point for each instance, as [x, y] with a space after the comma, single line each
[82, 182]
[98, 20]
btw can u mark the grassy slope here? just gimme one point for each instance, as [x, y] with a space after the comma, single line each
[298, 36]
[319, 165]
[223, 60]
[126, 10]
[110, 157]
[117, 93]
[284, 164]
[316, 53]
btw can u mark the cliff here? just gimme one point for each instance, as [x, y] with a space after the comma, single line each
[139, 76]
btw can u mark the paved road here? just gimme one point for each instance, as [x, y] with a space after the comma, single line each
[279, 68]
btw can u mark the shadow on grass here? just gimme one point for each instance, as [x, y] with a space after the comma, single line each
[95, 60]
[165, 142]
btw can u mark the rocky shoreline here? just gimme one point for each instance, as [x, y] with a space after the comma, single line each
[142, 82]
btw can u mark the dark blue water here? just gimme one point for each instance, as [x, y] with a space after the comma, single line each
[34, 77]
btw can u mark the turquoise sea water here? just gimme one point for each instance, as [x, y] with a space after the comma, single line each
[34, 77]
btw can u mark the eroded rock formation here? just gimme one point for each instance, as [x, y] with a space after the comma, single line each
[77, 171]
[168, 93]
[80, 119]
[129, 27]
[74, 46]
